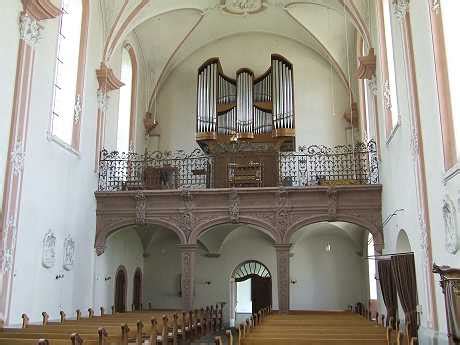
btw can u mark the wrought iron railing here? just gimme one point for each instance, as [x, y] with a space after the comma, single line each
[313, 165]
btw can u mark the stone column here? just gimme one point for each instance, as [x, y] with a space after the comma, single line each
[30, 30]
[188, 252]
[282, 261]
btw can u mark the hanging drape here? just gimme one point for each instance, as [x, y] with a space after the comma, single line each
[403, 267]
[388, 287]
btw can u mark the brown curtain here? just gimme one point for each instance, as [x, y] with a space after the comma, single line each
[403, 267]
[388, 287]
[452, 295]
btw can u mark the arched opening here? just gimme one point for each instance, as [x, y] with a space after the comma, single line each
[137, 289]
[403, 243]
[329, 268]
[120, 290]
[371, 270]
[253, 287]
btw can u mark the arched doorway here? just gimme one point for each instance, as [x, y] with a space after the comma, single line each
[120, 290]
[252, 281]
[137, 289]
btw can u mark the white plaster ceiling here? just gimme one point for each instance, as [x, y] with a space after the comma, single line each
[162, 25]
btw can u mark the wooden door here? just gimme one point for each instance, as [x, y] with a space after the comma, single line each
[261, 293]
[120, 291]
[137, 290]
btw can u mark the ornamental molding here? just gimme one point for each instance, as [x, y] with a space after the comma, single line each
[400, 8]
[41, 9]
[449, 214]
[332, 204]
[49, 250]
[373, 86]
[69, 253]
[29, 29]
[6, 260]
[140, 208]
[436, 6]
[102, 101]
[17, 158]
[107, 79]
[234, 207]
[77, 109]
[243, 7]
[387, 96]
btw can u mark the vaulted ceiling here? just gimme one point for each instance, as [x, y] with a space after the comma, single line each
[168, 31]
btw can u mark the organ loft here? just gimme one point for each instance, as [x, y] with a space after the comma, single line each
[244, 123]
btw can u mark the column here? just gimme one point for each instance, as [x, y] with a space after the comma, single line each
[33, 12]
[282, 261]
[188, 252]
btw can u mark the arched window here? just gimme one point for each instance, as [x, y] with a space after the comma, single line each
[124, 107]
[390, 97]
[67, 94]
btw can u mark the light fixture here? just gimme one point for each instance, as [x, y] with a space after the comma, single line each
[328, 247]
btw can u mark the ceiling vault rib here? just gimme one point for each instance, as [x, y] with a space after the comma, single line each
[114, 26]
[125, 24]
[171, 58]
[334, 62]
[358, 21]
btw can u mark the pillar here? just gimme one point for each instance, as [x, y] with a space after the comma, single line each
[188, 253]
[30, 30]
[282, 261]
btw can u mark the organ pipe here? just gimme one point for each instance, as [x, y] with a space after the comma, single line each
[245, 105]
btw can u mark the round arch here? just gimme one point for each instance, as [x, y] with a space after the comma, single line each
[104, 233]
[250, 268]
[372, 228]
[254, 223]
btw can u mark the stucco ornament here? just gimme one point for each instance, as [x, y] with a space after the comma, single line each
[77, 109]
[6, 260]
[140, 208]
[387, 96]
[17, 158]
[243, 6]
[234, 209]
[400, 8]
[69, 253]
[373, 86]
[449, 214]
[29, 29]
[49, 250]
[102, 101]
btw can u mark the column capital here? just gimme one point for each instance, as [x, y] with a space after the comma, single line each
[283, 247]
[188, 247]
[107, 79]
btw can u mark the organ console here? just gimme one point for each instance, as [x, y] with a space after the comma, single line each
[248, 108]
[256, 111]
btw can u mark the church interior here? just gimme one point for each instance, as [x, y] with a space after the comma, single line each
[229, 172]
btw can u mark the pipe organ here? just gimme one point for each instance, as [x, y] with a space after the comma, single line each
[247, 108]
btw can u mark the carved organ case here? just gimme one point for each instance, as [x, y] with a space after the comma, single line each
[246, 108]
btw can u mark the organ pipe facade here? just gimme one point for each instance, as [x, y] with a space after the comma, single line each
[245, 107]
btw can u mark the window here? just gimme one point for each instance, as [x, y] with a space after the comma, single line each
[372, 281]
[451, 27]
[124, 107]
[67, 69]
[390, 91]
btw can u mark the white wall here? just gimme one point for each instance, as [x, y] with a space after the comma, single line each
[398, 167]
[326, 280]
[313, 103]
[123, 248]
[57, 191]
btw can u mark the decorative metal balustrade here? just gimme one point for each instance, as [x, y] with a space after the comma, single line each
[313, 165]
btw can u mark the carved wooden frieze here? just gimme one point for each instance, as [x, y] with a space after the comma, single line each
[280, 212]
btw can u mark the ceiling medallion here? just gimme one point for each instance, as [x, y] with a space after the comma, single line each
[242, 6]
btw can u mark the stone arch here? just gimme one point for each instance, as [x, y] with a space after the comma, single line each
[375, 230]
[103, 233]
[253, 222]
